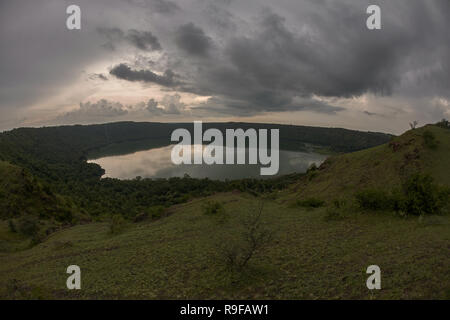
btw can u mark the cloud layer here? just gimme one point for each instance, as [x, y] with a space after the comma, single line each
[240, 58]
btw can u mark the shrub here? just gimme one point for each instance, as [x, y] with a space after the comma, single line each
[338, 211]
[253, 237]
[444, 123]
[430, 140]
[37, 238]
[141, 217]
[374, 199]
[12, 226]
[213, 207]
[28, 226]
[154, 213]
[312, 174]
[312, 167]
[117, 224]
[419, 195]
[310, 203]
[339, 203]
[422, 196]
[333, 214]
[157, 212]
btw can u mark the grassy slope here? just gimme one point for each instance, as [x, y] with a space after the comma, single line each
[381, 166]
[178, 256]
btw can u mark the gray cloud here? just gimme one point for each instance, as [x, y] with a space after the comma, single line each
[122, 71]
[98, 76]
[221, 106]
[99, 110]
[143, 40]
[250, 56]
[152, 107]
[332, 55]
[276, 67]
[193, 40]
[173, 104]
[170, 105]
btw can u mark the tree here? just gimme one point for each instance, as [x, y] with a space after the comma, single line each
[413, 124]
[253, 237]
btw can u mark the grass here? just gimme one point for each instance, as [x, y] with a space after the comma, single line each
[315, 254]
[177, 257]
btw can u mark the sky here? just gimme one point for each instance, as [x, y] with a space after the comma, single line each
[304, 62]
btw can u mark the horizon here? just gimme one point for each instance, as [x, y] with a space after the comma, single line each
[206, 122]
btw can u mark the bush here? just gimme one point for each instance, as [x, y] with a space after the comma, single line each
[253, 237]
[422, 196]
[418, 196]
[333, 214]
[444, 123]
[213, 207]
[141, 217]
[117, 224]
[430, 140]
[310, 203]
[338, 211]
[339, 203]
[312, 167]
[12, 226]
[28, 226]
[157, 212]
[37, 238]
[374, 199]
[154, 213]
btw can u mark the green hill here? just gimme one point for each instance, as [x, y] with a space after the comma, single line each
[23, 194]
[386, 166]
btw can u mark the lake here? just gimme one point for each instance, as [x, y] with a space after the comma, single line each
[156, 163]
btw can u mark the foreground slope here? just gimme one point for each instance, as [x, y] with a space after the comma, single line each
[179, 257]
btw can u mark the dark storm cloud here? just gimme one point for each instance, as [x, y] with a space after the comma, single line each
[242, 107]
[143, 40]
[333, 55]
[193, 40]
[122, 71]
[249, 56]
[281, 64]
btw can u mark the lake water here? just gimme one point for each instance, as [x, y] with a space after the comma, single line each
[156, 163]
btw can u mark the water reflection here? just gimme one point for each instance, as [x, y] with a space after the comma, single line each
[156, 163]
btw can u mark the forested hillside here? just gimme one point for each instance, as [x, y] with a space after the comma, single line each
[59, 153]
